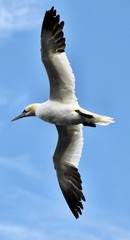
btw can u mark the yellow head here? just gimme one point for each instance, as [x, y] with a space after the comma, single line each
[27, 112]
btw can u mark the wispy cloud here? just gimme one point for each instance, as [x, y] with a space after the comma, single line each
[104, 229]
[17, 232]
[21, 164]
[55, 224]
[96, 230]
[17, 15]
[20, 232]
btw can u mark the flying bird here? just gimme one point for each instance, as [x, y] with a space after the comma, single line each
[63, 110]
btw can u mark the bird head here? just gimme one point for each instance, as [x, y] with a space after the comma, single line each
[27, 112]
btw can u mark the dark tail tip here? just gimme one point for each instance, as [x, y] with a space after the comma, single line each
[89, 124]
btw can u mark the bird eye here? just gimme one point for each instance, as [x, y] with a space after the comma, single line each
[24, 111]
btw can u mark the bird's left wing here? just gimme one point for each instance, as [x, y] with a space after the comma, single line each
[66, 159]
[61, 77]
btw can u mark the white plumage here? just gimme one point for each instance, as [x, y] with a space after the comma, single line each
[63, 110]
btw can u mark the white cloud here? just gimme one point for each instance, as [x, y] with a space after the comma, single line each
[60, 231]
[112, 231]
[92, 230]
[17, 15]
[17, 232]
[21, 164]
[43, 221]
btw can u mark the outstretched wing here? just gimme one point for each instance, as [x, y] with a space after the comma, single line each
[66, 159]
[54, 59]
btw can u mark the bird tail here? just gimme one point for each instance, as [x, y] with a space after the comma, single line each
[102, 120]
[91, 119]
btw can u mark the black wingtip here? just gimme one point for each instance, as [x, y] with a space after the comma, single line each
[73, 192]
[52, 8]
[54, 27]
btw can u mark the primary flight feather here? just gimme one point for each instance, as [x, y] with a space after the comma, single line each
[63, 110]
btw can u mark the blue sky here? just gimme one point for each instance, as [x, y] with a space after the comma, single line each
[98, 47]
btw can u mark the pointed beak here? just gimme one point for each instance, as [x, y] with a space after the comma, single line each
[23, 114]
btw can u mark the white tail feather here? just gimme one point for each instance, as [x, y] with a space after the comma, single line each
[102, 120]
[98, 119]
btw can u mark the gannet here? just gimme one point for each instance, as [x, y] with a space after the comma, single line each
[63, 110]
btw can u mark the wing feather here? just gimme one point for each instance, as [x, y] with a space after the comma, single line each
[66, 159]
[61, 77]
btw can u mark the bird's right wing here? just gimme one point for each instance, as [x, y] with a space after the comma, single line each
[61, 77]
[66, 159]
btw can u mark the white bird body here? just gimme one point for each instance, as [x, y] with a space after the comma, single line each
[58, 113]
[63, 110]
